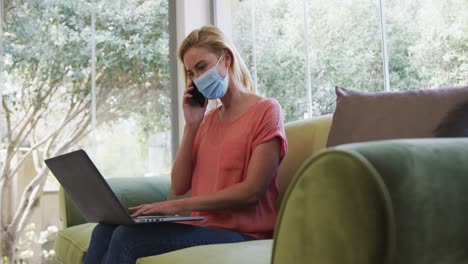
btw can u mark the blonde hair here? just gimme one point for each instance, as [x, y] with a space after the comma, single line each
[213, 39]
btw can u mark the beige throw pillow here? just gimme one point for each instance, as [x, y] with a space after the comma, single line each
[362, 116]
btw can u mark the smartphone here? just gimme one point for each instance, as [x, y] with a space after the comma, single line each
[197, 97]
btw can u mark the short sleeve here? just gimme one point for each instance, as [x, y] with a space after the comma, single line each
[271, 126]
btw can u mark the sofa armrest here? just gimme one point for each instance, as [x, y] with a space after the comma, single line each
[427, 181]
[130, 191]
[393, 201]
[305, 138]
[336, 210]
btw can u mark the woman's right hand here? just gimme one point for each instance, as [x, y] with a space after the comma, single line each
[193, 113]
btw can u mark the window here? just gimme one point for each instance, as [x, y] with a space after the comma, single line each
[299, 50]
[48, 76]
[427, 43]
[132, 135]
[47, 95]
[267, 36]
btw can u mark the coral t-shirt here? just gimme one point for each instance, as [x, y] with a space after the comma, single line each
[222, 151]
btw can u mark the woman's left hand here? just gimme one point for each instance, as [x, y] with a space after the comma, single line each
[168, 207]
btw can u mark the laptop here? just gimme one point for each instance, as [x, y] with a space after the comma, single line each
[90, 192]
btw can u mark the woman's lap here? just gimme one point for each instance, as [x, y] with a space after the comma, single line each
[126, 243]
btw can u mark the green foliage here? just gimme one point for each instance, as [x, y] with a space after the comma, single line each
[48, 59]
[427, 46]
[47, 78]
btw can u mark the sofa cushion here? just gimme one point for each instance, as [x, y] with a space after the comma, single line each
[72, 243]
[305, 138]
[455, 124]
[362, 116]
[254, 252]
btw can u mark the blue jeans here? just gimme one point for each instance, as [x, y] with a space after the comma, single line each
[126, 243]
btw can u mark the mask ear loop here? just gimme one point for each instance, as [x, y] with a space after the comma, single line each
[227, 68]
[219, 59]
[214, 67]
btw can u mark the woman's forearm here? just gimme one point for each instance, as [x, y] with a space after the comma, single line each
[238, 195]
[260, 173]
[181, 174]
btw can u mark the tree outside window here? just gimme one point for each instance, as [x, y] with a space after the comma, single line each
[46, 94]
[427, 43]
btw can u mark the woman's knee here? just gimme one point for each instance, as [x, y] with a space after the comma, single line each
[124, 235]
[103, 231]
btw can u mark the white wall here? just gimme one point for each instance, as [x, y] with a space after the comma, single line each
[222, 15]
[190, 15]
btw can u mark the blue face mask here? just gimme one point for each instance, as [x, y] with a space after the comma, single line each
[211, 84]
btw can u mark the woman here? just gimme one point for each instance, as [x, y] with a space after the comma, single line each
[228, 158]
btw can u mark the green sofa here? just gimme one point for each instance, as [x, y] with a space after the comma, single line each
[395, 201]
